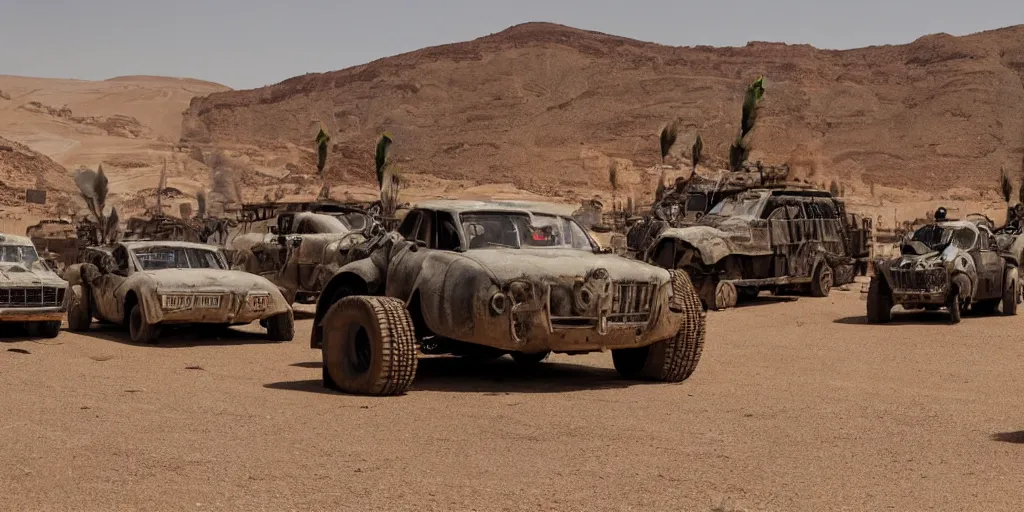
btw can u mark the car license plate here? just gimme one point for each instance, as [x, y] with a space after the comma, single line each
[178, 301]
[208, 301]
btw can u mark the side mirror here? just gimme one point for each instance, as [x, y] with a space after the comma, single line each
[273, 230]
[297, 241]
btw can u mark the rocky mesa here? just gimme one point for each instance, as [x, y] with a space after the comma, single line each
[546, 108]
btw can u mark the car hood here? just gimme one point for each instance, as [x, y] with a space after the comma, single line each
[508, 264]
[207, 279]
[13, 274]
[926, 260]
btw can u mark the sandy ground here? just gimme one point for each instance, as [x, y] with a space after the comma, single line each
[795, 406]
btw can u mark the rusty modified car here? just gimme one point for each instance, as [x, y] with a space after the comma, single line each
[779, 239]
[955, 265]
[485, 279]
[30, 293]
[144, 285]
[303, 253]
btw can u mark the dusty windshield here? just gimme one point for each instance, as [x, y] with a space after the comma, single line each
[24, 255]
[322, 224]
[156, 258]
[937, 237]
[354, 221]
[515, 231]
[739, 205]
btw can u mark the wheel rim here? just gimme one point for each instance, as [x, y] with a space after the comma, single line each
[826, 279]
[361, 353]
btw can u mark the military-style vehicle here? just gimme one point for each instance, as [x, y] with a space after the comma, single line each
[780, 239]
[144, 285]
[30, 293]
[303, 252]
[493, 278]
[56, 242]
[952, 264]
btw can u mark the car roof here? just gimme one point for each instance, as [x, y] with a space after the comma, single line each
[460, 206]
[958, 224]
[142, 244]
[6, 239]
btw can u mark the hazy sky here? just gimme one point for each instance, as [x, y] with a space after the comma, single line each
[250, 43]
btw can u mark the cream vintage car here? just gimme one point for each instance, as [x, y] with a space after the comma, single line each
[30, 293]
[144, 285]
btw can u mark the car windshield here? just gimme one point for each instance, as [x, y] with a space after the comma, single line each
[697, 202]
[24, 255]
[354, 221]
[156, 258]
[739, 205]
[514, 230]
[937, 237]
[322, 224]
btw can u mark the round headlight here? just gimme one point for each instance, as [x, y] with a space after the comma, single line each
[520, 291]
[498, 303]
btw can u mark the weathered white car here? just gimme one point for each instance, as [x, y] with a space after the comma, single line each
[146, 284]
[487, 279]
[30, 293]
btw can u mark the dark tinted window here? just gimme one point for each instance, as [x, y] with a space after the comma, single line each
[447, 233]
[409, 225]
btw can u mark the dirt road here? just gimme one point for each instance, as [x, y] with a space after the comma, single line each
[821, 412]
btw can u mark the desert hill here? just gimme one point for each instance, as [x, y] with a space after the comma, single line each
[548, 109]
[129, 124]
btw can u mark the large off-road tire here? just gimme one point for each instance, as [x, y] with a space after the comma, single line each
[79, 312]
[879, 302]
[822, 280]
[139, 329]
[369, 346]
[1011, 291]
[49, 329]
[674, 359]
[524, 359]
[281, 327]
[953, 305]
[725, 297]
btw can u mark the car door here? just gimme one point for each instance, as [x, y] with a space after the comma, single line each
[990, 266]
[410, 252]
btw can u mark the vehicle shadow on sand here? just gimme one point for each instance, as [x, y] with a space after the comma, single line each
[502, 376]
[1009, 437]
[765, 300]
[179, 337]
[912, 317]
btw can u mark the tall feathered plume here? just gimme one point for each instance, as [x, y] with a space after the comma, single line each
[201, 200]
[93, 187]
[669, 134]
[1005, 187]
[740, 150]
[381, 156]
[696, 154]
[161, 185]
[322, 140]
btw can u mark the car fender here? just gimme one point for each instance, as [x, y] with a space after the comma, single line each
[709, 242]
[364, 271]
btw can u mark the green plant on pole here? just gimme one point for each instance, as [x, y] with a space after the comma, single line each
[739, 152]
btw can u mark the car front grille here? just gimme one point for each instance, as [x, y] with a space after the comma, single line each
[923, 280]
[34, 296]
[631, 302]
